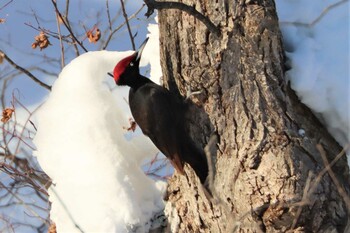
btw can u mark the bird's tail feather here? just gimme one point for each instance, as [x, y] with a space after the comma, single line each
[197, 160]
[177, 164]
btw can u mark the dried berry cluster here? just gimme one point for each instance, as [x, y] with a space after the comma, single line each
[93, 37]
[52, 228]
[7, 114]
[41, 40]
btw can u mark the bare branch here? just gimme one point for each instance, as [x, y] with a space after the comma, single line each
[319, 177]
[28, 175]
[6, 4]
[48, 32]
[128, 25]
[30, 75]
[318, 19]
[67, 10]
[67, 26]
[341, 191]
[60, 38]
[120, 26]
[109, 16]
[66, 209]
[152, 4]
[305, 199]
[20, 201]
[77, 53]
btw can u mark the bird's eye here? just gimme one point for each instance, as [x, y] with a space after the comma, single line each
[131, 64]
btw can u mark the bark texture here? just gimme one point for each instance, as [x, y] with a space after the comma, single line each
[266, 174]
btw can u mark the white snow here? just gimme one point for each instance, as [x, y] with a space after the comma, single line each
[316, 36]
[151, 52]
[81, 145]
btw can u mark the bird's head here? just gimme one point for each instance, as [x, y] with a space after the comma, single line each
[128, 67]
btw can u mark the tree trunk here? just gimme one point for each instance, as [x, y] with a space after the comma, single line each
[268, 176]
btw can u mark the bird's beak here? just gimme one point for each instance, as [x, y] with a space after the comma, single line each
[110, 74]
[139, 51]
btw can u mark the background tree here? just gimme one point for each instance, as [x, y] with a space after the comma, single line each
[268, 177]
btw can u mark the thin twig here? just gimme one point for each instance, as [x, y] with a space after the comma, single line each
[24, 127]
[67, 26]
[310, 187]
[21, 202]
[20, 175]
[325, 170]
[152, 4]
[66, 210]
[30, 75]
[6, 4]
[318, 19]
[67, 10]
[109, 16]
[77, 53]
[50, 33]
[3, 91]
[127, 24]
[121, 25]
[305, 199]
[36, 18]
[341, 191]
[106, 32]
[60, 38]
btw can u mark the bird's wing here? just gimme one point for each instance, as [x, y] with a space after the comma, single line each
[160, 116]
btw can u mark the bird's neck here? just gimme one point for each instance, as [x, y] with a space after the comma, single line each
[139, 82]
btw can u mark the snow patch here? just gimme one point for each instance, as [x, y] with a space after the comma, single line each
[319, 58]
[82, 147]
[151, 53]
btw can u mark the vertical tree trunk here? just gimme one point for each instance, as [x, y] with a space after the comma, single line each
[266, 174]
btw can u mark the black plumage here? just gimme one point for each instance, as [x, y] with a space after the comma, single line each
[161, 116]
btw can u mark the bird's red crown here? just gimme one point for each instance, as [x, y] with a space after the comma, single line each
[121, 66]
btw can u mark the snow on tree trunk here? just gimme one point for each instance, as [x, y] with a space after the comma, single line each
[266, 171]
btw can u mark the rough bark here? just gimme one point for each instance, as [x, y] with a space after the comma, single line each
[263, 166]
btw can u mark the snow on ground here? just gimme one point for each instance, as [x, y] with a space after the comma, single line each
[316, 37]
[81, 145]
